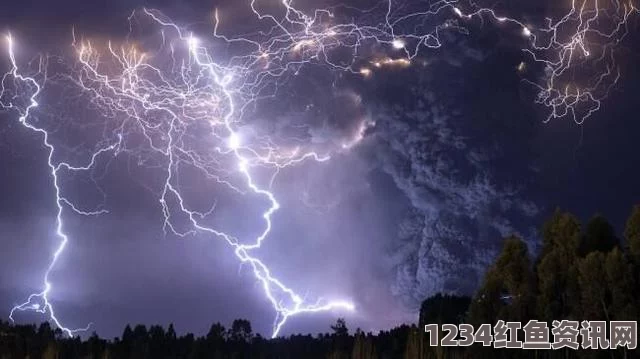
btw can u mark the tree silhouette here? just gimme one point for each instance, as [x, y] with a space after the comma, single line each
[443, 308]
[240, 331]
[620, 282]
[599, 236]
[507, 291]
[557, 269]
[363, 347]
[593, 293]
[340, 328]
[576, 276]
[632, 234]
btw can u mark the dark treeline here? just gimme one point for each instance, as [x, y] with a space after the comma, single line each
[580, 273]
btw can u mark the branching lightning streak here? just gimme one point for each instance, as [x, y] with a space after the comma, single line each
[569, 48]
[39, 301]
[163, 94]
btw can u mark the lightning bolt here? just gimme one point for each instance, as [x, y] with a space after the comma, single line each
[162, 94]
[39, 302]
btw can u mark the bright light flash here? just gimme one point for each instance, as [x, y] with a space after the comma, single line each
[300, 44]
[398, 44]
[193, 42]
[234, 141]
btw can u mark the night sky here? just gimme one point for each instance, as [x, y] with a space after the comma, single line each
[455, 156]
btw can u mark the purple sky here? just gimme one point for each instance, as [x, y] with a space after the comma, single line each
[400, 216]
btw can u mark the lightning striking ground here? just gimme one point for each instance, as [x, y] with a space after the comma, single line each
[164, 93]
